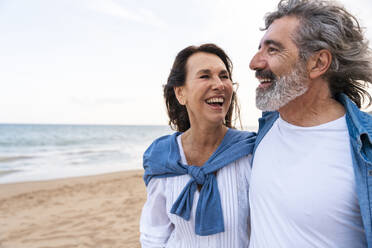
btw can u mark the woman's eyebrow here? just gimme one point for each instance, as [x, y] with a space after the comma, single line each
[207, 71]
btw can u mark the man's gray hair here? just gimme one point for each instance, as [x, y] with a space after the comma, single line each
[327, 25]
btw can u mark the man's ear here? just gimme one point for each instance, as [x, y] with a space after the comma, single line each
[180, 94]
[319, 63]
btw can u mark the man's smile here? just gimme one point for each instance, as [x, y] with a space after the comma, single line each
[265, 83]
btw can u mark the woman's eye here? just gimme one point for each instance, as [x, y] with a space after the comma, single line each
[225, 77]
[204, 76]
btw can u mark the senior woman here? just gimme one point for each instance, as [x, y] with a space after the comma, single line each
[198, 178]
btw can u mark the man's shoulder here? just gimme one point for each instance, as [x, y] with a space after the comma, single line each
[360, 121]
[267, 118]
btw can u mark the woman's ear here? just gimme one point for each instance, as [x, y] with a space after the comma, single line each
[179, 92]
[319, 63]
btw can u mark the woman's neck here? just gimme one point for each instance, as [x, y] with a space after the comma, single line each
[204, 137]
[199, 144]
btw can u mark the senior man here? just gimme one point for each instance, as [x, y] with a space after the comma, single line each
[311, 182]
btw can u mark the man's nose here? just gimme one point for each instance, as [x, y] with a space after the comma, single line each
[257, 62]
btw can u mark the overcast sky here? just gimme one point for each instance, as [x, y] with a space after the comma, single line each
[105, 61]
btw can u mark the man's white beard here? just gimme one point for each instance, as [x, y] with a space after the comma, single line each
[283, 90]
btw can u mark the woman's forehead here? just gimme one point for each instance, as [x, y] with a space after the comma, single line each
[203, 62]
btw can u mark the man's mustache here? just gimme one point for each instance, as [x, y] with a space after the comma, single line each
[265, 74]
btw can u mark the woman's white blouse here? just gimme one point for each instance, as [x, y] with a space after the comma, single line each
[160, 228]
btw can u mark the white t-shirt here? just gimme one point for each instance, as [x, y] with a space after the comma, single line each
[160, 228]
[302, 191]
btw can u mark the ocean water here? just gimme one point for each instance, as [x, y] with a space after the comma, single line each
[43, 152]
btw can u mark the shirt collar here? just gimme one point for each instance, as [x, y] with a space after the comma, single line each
[361, 122]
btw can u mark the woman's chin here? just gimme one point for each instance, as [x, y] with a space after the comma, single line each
[217, 121]
[209, 119]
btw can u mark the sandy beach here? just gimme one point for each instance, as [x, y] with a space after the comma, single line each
[93, 211]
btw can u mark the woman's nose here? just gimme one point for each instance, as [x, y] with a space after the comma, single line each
[218, 84]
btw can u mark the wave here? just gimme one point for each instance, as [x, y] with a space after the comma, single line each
[85, 152]
[42, 143]
[13, 158]
[6, 172]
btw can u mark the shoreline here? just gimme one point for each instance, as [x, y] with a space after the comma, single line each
[86, 211]
[5, 173]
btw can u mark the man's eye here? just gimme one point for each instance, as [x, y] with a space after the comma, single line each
[204, 76]
[272, 50]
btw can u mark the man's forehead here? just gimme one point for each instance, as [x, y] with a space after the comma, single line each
[281, 30]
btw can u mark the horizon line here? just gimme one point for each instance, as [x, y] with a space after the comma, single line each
[78, 124]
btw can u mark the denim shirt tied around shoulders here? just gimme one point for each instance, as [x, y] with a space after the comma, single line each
[360, 130]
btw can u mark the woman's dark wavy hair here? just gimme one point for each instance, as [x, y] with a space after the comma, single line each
[178, 117]
[326, 25]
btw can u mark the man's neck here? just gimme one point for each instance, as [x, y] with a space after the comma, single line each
[313, 108]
